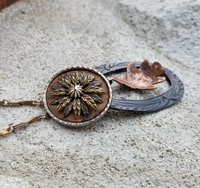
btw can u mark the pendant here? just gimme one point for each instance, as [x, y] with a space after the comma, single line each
[77, 96]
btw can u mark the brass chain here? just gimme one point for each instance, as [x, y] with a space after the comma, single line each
[6, 103]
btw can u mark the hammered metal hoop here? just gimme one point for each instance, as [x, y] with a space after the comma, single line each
[165, 100]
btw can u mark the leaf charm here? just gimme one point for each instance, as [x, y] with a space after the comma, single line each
[142, 78]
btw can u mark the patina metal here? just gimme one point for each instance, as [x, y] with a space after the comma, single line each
[77, 96]
[143, 77]
[77, 92]
[6, 103]
[20, 125]
[154, 104]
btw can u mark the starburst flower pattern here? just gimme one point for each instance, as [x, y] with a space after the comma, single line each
[78, 93]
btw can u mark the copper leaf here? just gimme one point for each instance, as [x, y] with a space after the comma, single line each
[142, 78]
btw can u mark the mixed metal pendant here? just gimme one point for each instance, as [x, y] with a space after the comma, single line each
[79, 96]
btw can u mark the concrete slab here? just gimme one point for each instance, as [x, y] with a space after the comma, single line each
[39, 38]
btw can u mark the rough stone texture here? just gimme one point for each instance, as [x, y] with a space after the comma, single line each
[39, 38]
[13, 182]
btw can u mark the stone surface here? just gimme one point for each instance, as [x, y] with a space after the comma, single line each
[39, 38]
[12, 182]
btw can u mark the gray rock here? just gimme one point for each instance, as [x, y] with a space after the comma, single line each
[12, 182]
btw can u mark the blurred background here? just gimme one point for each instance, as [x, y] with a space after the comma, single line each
[5, 3]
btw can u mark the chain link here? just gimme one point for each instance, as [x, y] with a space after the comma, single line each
[6, 103]
[18, 126]
[21, 103]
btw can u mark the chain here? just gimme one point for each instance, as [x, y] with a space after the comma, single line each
[21, 103]
[6, 103]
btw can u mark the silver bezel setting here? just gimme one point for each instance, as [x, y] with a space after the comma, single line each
[78, 124]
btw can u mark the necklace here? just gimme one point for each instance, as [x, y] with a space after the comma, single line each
[79, 96]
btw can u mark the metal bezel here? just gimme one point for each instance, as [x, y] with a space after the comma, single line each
[80, 124]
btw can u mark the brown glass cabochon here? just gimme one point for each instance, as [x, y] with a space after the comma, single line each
[92, 112]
